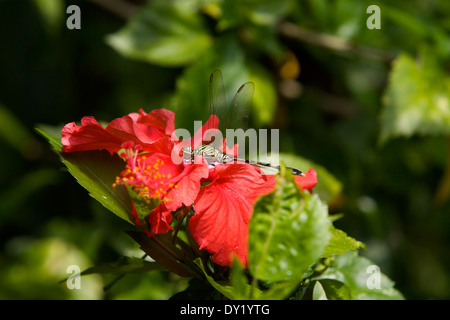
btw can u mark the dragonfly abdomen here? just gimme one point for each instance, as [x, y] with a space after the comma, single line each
[266, 164]
[213, 155]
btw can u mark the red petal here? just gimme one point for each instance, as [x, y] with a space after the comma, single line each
[203, 135]
[90, 136]
[159, 220]
[307, 182]
[158, 122]
[224, 208]
[144, 129]
[186, 185]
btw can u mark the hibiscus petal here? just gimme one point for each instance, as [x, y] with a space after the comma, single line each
[152, 126]
[187, 185]
[224, 209]
[144, 128]
[308, 181]
[206, 132]
[89, 136]
[159, 220]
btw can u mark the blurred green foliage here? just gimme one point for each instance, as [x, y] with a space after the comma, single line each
[369, 107]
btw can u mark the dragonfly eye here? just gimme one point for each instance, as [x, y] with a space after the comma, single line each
[210, 140]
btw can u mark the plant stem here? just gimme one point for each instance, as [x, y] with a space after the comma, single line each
[331, 42]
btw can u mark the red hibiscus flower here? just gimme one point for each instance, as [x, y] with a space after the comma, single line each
[222, 195]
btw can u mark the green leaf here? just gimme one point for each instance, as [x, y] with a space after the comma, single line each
[96, 171]
[53, 136]
[167, 33]
[417, 99]
[160, 248]
[363, 278]
[319, 292]
[239, 282]
[289, 231]
[340, 243]
[224, 288]
[265, 97]
[123, 266]
[280, 290]
[237, 288]
[262, 12]
[335, 290]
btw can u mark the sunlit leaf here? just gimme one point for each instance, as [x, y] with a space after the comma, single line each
[340, 243]
[167, 33]
[319, 292]
[335, 290]
[417, 100]
[363, 278]
[289, 231]
[96, 171]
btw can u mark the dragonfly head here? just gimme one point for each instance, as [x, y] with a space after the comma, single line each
[208, 139]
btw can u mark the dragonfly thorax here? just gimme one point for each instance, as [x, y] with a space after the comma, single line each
[211, 154]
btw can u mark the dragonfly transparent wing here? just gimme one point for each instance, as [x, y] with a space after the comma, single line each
[237, 113]
[233, 116]
[217, 100]
[239, 109]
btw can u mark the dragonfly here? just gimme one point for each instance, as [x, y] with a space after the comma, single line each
[231, 116]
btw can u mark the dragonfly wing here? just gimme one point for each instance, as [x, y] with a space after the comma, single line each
[217, 100]
[239, 111]
[235, 115]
